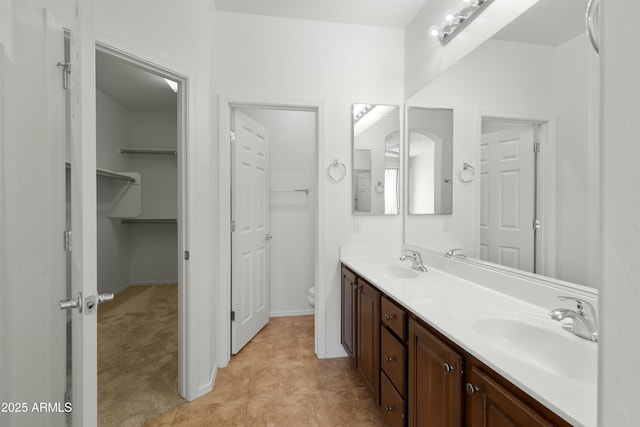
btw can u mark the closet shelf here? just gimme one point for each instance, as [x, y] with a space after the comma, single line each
[132, 150]
[109, 174]
[149, 221]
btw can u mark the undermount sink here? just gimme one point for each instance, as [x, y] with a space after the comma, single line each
[544, 348]
[397, 272]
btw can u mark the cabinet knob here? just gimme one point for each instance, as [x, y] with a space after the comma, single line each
[389, 316]
[448, 368]
[471, 389]
[388, 408]
[389, 358]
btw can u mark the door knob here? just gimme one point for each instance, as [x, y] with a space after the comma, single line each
[69, 303]
[268, 237]
[105, 297]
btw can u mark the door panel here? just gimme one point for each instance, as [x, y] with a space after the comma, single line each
[507, 209]
[250, 212]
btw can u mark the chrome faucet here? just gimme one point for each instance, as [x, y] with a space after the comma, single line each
[415, 259]
[584, 321]
[452, 254]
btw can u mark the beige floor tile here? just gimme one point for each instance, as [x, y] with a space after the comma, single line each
[214, 414]
[165, 420]
[347, 408]
[278, 380]
[275, 352]
[277, 328]
[232, 383]
[285, 411]
[307, 347]
[332, 374]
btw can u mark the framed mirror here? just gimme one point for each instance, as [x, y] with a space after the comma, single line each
[526, 106]
[376, 159]
[430, 161]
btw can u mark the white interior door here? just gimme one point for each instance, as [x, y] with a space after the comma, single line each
[250, 240]
[83, 215]
[364, 192]
[507, 197]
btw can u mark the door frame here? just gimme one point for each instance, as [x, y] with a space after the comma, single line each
[226, 103]
[545, 185]
[187, 301]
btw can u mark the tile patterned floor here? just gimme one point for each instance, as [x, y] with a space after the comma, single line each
[277, 380]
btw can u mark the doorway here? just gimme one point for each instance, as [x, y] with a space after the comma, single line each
[510, 213]
[287, 184]
[141, 222]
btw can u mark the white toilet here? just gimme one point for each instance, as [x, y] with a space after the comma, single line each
[311, 296]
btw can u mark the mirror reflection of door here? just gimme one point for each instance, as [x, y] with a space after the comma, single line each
[362, 182]
[507, 182]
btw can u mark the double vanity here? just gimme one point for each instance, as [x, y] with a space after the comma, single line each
[436, 348]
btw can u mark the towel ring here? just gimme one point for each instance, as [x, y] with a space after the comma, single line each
[467, 173]
[336, 170]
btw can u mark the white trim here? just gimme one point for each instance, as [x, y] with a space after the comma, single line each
[305, 312]
[224, 190]
[206, 388]
[187, 299]
[546, 181]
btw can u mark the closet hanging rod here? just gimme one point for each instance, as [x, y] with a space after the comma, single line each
[108, 174]
[284, 190]
[149, 221]
[125, 150]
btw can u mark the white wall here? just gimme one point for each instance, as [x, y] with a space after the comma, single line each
[293, 145]
[274, 58]
[112, 128]
[620, 291]
[426, 59]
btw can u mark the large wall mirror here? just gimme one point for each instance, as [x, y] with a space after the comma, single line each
[526, 117]
[376, 159]
[430, 156]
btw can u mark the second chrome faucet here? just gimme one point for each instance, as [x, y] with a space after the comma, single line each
[415, 258]
[584, 320]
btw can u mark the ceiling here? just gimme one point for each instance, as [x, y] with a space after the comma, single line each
[133, 88]
[548, 23]
[381, 13]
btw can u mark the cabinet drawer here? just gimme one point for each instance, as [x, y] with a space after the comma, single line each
[394, 317]
[393, 359]
[392, 405]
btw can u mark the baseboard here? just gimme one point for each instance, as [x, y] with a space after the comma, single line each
[206, 388]
[333, 354]
[154, 282]
[306, 312]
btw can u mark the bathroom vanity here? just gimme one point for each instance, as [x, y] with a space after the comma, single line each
[435, 349]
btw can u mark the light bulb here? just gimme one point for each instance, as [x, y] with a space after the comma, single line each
[451, 17]
[434, 31]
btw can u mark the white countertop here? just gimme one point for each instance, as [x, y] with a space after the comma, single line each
[561, 373]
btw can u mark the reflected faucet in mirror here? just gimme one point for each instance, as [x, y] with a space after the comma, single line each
[584, 321]
[452, 254]
[415, 258]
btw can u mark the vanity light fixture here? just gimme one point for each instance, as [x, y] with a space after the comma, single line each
[454, 21]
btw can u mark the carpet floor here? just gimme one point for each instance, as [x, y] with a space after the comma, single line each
[138, 355]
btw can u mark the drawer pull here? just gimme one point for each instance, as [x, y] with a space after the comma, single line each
[389, 316]
[389, 358]
[389, 408]
[471, 389]
[448, 368]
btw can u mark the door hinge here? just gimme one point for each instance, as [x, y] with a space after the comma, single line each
[187, 255]
[536, 224]
[536, 147]
[233, 226]
[233, 316]
[66, 71]
[67, 241]
[233, 136]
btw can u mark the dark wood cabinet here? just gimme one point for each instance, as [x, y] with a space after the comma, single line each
[494, 402]
[435, 380]
[349, 312]
[418, 376]
[368, 336]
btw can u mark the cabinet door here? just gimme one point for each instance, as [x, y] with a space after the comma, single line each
[349, 310]
[490, 404]
[435, 380]
[368, 346]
